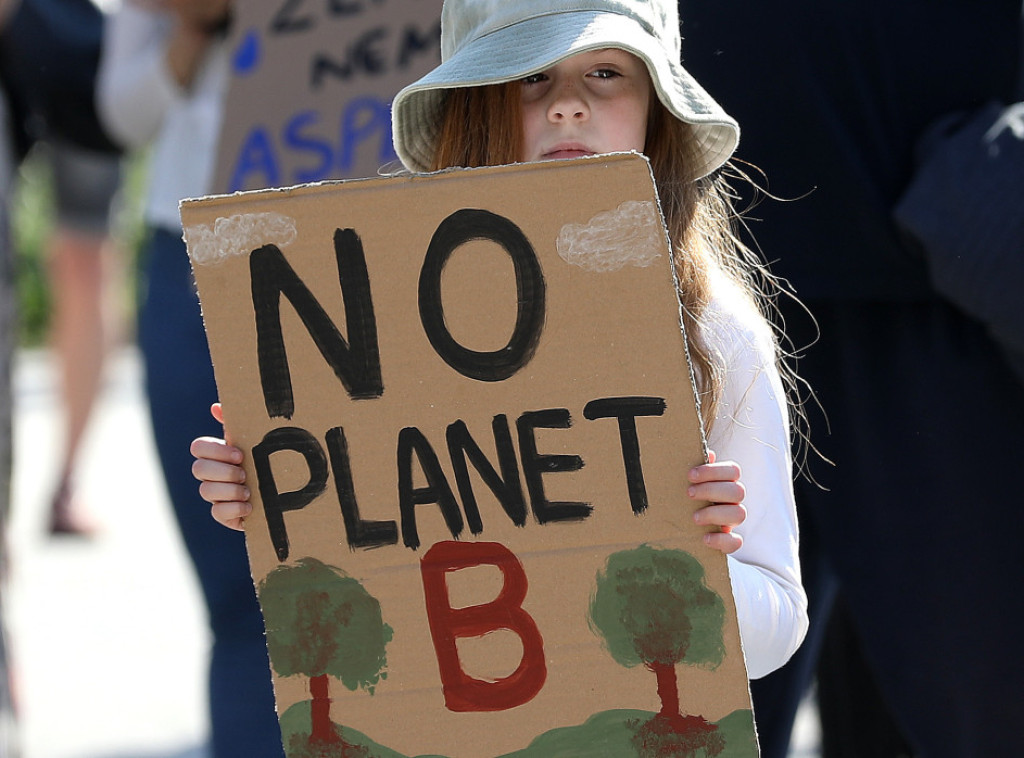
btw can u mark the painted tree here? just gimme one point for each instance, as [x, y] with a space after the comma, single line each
[321, 623]
[653, 608]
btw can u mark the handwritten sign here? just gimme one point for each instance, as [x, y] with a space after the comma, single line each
[467, 413]
[311, 87]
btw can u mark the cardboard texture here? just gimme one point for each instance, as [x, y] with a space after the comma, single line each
[309, 96]
[479, 543]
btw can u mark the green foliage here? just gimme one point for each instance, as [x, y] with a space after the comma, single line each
[652, 606]
[689, 737]
[32, 222]
[296, 738]
[617, 733]
[608, 733]
[322, 621]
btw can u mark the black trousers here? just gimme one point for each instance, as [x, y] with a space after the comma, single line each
[914, 526]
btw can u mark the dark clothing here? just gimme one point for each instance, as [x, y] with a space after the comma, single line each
[831, 99]
[181, 387]
[925, 418]
[924, 412]
[965, 208]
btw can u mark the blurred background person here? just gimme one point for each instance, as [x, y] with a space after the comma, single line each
[163, 77]
[846, 107]
[8, 730]
[83, 268]
[49, 55]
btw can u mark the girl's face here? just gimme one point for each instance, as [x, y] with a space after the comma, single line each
[593, 102]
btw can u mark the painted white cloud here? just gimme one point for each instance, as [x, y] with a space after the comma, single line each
[238, 235]
[630, 235]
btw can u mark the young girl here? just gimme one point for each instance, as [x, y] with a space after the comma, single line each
[528, 80]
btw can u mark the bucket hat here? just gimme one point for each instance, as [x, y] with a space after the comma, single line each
[495, 41]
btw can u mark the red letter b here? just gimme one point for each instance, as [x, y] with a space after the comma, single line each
[461, 691]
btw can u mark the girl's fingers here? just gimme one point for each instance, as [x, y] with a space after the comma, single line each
[718, 492]
[208, 470]
[718, 483]
[724, 515]
[726, 542]
[211, 448]
[726, 471]
[223, 492]
[231, 514]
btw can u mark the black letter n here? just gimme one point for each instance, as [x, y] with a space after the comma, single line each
[356, 362]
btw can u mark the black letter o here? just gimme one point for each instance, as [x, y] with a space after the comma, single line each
[459, 228]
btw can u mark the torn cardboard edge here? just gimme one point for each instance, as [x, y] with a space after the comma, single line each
[496, 431]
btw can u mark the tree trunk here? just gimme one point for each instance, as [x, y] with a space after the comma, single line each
[320, 711]
[668, 689]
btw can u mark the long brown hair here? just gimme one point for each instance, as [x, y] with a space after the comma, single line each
[480, 126]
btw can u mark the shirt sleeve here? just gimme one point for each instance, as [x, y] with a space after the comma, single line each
[135, 88]
[752, 429]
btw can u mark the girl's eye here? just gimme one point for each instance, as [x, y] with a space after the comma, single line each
[604, 73]
[534, 78]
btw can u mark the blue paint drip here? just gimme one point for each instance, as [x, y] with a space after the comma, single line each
[247, 56]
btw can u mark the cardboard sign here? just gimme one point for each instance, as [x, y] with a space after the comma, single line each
[468, 418]
[311, 84]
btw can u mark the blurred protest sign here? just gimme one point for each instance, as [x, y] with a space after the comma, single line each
[311, 87]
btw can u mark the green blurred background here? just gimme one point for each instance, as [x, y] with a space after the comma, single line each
[32, 219]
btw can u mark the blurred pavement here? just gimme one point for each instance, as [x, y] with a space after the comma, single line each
[108, 635]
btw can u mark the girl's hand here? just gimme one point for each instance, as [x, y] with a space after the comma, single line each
[218, 467]
[719, 483]
[200, 14]
[195, 30]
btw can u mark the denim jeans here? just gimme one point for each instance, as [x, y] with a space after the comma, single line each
[180, 386]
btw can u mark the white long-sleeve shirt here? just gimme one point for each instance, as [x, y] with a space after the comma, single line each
[141, 104]
[752, 429]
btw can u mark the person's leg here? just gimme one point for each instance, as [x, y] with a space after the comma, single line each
[180, 385]
[80, 257]
[778, 696]
[926, 499]
[854, 719]
[819, 487]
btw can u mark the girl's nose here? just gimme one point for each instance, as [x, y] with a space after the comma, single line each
[567, 104]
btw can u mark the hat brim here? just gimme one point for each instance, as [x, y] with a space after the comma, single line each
[516, 51]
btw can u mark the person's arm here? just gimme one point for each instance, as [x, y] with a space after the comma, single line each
[151, 54]
[753, 429]
[197, 24]
[963, 211]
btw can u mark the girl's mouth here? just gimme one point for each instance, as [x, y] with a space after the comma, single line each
[567, 151]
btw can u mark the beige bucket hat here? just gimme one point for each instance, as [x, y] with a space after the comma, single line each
[495, 41]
